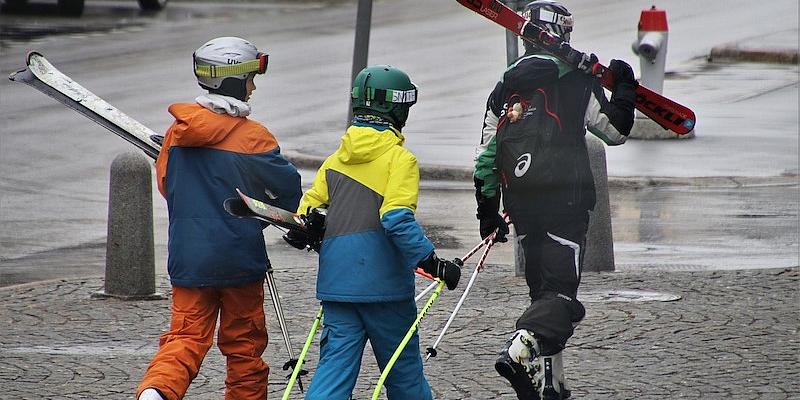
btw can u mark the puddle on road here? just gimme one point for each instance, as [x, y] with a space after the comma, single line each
[608, 296]
[705, 228]
[440, 236]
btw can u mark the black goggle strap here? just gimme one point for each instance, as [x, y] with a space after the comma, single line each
[259, 66]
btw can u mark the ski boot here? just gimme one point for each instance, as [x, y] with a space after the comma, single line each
[549, 378]
[517, 364]
[151, 394]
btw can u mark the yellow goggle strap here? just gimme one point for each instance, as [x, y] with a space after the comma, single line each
[218, 71]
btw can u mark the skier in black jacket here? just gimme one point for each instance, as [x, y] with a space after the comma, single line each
[533, 147]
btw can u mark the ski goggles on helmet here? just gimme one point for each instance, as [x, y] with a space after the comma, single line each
[386, 95]
[259, 66]
[555, 23]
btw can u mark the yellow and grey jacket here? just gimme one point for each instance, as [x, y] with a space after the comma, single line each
[372, 242]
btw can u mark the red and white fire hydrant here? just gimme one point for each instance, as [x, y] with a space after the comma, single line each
[651, 47]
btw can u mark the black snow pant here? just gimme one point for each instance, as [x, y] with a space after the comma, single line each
[553, 248]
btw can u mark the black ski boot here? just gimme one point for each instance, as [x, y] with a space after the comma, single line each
[516, 364]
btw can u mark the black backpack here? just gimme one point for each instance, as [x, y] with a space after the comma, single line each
[527, 144]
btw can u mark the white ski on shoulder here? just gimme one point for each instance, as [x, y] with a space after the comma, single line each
[44, 77]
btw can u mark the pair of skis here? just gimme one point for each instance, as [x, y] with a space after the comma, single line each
[44, 77]
[665, 112]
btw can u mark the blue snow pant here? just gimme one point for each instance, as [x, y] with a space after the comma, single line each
[346, 329]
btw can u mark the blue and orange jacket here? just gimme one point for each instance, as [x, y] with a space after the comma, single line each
[205, 157]
[372, 241]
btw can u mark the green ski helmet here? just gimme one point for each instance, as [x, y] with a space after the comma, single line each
[384, 91]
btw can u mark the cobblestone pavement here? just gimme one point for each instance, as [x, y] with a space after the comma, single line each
[732, 335]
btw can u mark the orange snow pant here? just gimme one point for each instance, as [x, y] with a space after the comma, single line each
[242, 338]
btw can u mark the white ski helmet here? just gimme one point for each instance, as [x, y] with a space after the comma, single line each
[227, 57]
[551, 16]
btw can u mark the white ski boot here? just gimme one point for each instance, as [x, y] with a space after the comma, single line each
[517, 364]
[150, 394]
[549, 378]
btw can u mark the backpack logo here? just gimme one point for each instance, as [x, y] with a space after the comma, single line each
[523, 163]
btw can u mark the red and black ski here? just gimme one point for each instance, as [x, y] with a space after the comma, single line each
[667, 113]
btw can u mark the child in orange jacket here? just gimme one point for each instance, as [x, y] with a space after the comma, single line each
[217, 263]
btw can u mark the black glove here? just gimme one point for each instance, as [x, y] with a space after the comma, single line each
[301, 240]
[491, 222]
[488, 216]
[314, 221]
[623, 96]
[311, 238]
[623, 74]
[445, 270]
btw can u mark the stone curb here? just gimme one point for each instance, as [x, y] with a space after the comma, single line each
[449, 173]
[735, 53]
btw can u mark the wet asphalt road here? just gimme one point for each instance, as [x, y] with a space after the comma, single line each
[54, 163]
[690, 228]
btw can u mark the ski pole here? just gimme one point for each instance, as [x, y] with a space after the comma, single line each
[302, 357]
[276, 302]
[385, 373]
[425, 291]
[431, 351]
[434, 283]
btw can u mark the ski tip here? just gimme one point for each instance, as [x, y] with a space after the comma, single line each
[31, 54]
[236, 207]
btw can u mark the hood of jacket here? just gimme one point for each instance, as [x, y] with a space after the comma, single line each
[195, 122]
[363, 143]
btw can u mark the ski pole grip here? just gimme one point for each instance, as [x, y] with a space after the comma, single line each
[458, 261]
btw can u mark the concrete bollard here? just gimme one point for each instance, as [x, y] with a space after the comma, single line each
[130, 255]
[599, 252]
